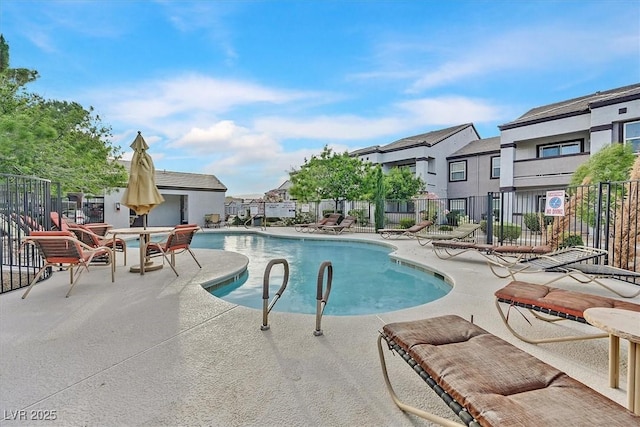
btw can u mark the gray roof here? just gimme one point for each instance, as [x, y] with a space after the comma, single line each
[479, 146]
[183, 180]
[574, 107]
[428, 139]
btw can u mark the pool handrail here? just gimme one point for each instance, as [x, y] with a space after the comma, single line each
[322, 298]
[266, 306]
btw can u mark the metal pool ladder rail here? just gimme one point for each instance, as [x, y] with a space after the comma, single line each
[266, 307]
[322, 298]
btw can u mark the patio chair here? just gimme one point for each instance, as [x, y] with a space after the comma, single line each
[560, 304]
[178, 241]
[387, 233]
[212, 220]
[506, 255]
[345, 225]
[487, 381]
[463, 232]
[86, 235]
[556, 261]
[64, 250]
[331, 219]
[591, 273]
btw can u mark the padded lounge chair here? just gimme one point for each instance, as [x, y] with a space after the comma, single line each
[387, 233]
[345, 225]
[487, 381]
[556, 261]
[62, 249]
[178, 241]
[331, 219]
[506, 255]
[463, 232]
[590, 273]
[558, 303]
[86, 235]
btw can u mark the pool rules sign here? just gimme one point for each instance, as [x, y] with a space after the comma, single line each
[555, 203]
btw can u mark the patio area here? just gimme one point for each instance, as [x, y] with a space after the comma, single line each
[159, 350]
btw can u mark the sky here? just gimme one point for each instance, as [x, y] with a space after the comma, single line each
[247, 90]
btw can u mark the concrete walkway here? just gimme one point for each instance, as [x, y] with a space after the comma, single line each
[156, 350]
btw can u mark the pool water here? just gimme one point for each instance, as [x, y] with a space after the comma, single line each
[365, 279]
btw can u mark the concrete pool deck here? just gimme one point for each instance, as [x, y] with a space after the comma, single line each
[159, 350]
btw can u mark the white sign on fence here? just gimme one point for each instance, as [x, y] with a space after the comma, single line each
[280, 210]
[555, 203]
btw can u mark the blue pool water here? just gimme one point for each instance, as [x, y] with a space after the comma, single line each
[365, 279]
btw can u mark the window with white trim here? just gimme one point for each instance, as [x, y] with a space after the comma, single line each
[495, 167]
[559, 149]
[632, 135]
[458, 171]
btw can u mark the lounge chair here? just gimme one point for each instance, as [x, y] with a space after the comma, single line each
[558, 303]
[591, 273]
[487, 381]
[86, 235]
[178, 241]
[463, 232]
[331, 219]
[345, 225]
[506, 255]
[388, 233]
[62, 249]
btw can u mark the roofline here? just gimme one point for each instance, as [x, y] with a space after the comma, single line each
[544, 119]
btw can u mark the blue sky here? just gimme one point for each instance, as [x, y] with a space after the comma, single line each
[246, 90]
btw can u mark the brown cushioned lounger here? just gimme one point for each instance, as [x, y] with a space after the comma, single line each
[489, 382]
[560, 303]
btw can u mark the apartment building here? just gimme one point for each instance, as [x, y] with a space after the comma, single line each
[543, 147]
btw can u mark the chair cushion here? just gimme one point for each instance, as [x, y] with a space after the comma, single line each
[561, 300]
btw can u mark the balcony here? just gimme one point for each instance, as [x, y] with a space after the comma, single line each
[546, 172]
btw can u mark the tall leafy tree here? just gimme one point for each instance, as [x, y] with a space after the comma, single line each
[611, 163]
[56, 140]
[379, 194]
[401, 184]
[329, 176]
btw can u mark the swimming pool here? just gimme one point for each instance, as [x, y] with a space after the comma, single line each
[365, 279]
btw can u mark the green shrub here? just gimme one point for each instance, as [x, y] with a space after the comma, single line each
[453, 218]
[361, 216]
[483, 225]
[571, 240]
[407, 222]
[508, 232]
[445, 228]
[532, 221]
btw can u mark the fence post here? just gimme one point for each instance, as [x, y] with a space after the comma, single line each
[489, 218]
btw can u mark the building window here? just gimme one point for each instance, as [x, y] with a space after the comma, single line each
[632, 135]
[560, 149]
[495, 167]
[458, 171]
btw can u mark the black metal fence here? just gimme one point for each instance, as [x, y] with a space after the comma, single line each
[604, 215]
[25, 205]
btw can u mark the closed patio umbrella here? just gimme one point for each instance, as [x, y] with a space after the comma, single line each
[141, 194]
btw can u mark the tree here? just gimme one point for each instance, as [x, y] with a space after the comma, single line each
[379, 197]
[401, 184]
[329, 176]
[55, 140]
[611, 163]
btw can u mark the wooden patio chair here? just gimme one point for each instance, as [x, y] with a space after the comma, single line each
[62, 249]
[178, 241]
